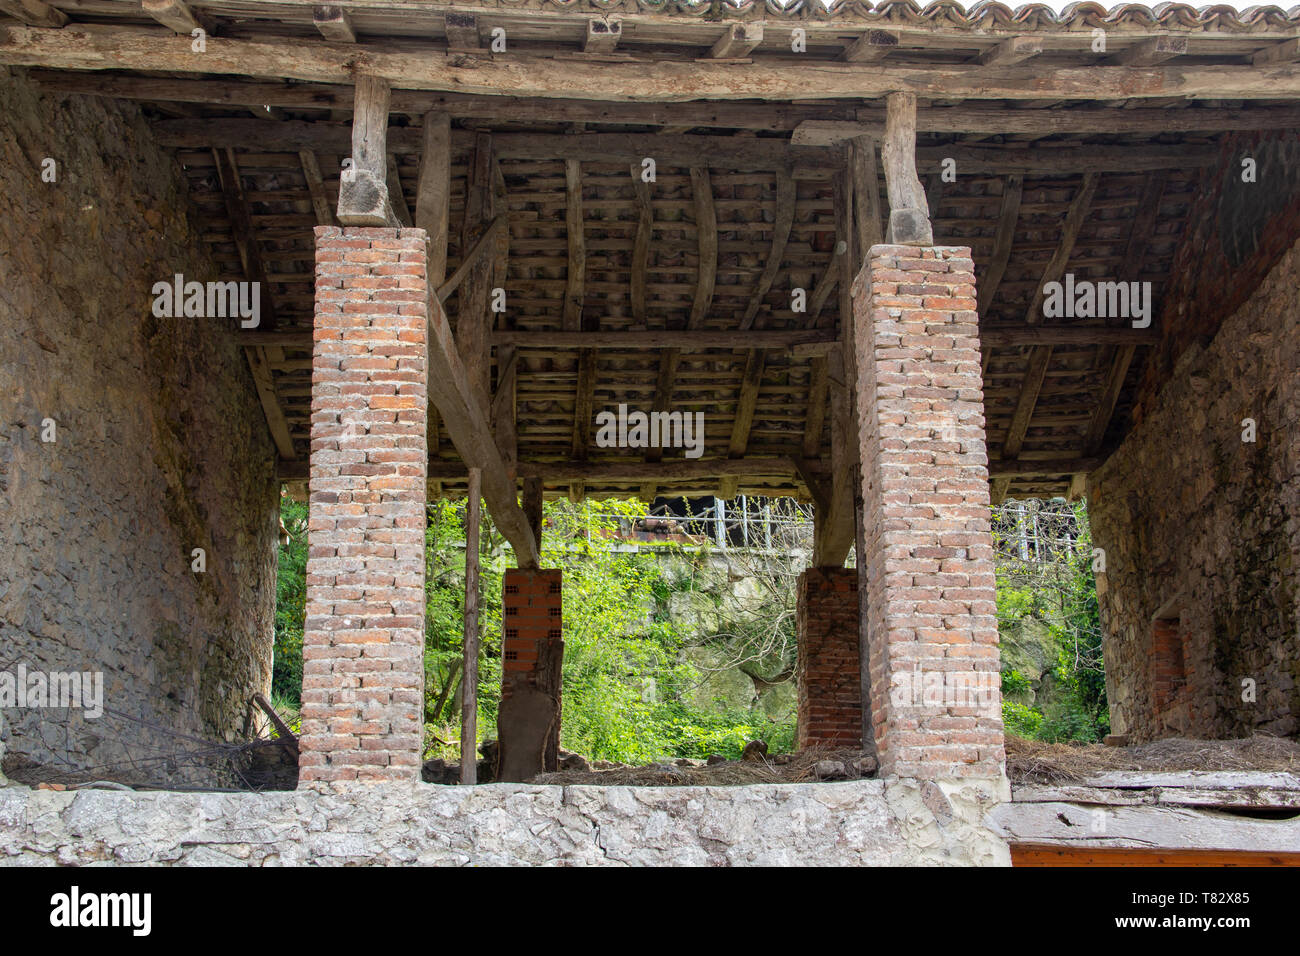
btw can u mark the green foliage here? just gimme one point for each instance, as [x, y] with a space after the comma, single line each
[290, 606]
[1061, 594]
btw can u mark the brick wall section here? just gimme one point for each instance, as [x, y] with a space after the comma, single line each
[363, 646]
[1168, 673]
[828, 673]
[532, 619]
[928, 550]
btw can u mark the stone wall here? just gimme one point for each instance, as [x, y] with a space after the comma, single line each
[858, 823]
[363, 635]
[1201, 535]
[161, 447]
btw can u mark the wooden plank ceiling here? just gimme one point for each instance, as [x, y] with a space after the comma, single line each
[705, 259]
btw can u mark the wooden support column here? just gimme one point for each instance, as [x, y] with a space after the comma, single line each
[533, 506]
[363, 188]
[909, 213]
[473, 318]
[469, 694]
[432, 205]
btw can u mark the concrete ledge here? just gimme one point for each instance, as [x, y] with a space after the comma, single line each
[858, 823]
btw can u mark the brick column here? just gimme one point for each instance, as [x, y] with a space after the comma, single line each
[828, 673]
[528, 720]
[931, 626]
[363, 646]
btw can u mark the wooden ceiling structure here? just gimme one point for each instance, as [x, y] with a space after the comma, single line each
[680, 293]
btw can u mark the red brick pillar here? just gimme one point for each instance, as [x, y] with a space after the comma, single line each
[363, 646]
[828, 673]
[931, 625]
[528, 720]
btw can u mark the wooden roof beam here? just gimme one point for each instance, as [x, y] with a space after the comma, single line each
[462, 31]
[334, 24]
[1150, 51]
[909, 214]
[466, 422]
[364, 199]
[737, 42]
[602, 35]
[1041, 355]
[871, 47]
[1012, 190]
[1010, 51]
[36, 13]
[640, 79]
[1288, 51]
[176, 16]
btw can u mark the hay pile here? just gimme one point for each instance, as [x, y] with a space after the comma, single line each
[800, 768]
[1034, 761]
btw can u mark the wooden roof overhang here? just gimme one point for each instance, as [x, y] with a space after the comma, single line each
[678, 293]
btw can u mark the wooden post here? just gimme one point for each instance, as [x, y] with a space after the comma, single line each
[532, 505]
[909, 213]
[363, 187]
[469, 697]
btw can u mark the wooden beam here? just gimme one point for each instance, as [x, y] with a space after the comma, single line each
[576, 274]
[840, 121]
[746, 402]
[1010, 51]
[1012, 190]
[871, 47]
[815, 417]
[175, 15]
[320, 200]
[641, 246]
[485, 243]
[470, 643]
[866, 195]
[783, 222]
[737, 42]
[834, 528]
[602, 35]
[424, 67]
[1150, 51]
[533, 506]
[1001, 469]
[706, 230]
[474, 318]
[1134, 255]
[909, 215]
[433, 193]
[396, 198]
[466, 423]
[35, 13]
[363, 191]
[1077, 335]
[804, 341]
[462, 31]
[1041, 355]
[583, 398]
[1288, 51]
[334, 24]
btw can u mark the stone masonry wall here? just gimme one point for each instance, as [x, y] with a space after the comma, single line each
[859, 823]
[1201, 535]
[932, 634]
[161, 447]
[363, 638]
[828, 672]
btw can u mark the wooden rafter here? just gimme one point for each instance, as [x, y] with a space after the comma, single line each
[36, 13]
[737, 41]
[641, 247]
[175, 15]
[320, 200]
[706, 228]
[1139, 239]
[1041, 355]
[232, 191]
[334, 24]
[602, 35]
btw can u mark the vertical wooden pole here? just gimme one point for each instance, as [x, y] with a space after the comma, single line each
[469, 696]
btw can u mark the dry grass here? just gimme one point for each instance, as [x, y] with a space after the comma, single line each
[733, 773]
[1033, 761]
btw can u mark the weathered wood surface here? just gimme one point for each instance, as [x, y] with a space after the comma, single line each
[1141, 826]
[767, 78]
[470, 645]
[909, 213]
